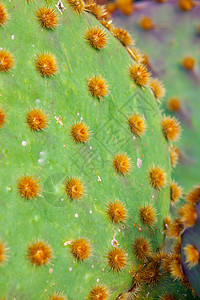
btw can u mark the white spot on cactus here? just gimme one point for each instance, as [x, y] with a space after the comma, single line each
[90, 211]
[152, 196]
[40, 161]
[23, 143]
[62, 199]
[114, 242]
[98, 279]
[90, 147]
[78, 114]
[50, 270]
[134, 137]
[119, 229]
[8, 188]
[70, 269]
[81, 118]
[76, 215]
[99, 179]
[103, 270]
[92, 266]
[139, 163]
[33, 45]
[42, 153]
[60, 6]
[67, 243]
[37, 101]
[59, 120]
[12, 37]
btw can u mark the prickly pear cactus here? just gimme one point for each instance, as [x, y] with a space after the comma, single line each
[172, 54]
[85, 168]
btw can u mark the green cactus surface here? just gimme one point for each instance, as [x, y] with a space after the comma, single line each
[39, 209]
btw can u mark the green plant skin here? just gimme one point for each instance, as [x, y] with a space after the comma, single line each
[51, 216]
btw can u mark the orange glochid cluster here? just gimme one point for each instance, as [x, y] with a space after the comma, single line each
[116, 259]
[188, 214]
[2, 117]
[146, 23]
[36, 119]
[116, 211]
[174, 155]
[28, 187]
[176, 193]
[6, 61]
[175, 268]
[96, 37]
[122, 164]
[79, 132]
[57, 296]
[74, 188]
[157, 177]
[147, 273]
[174, 104]
[191, 256]
[80, 249]
[39, 253]
[137, 124]
[147, 214]
[3, 15]
[3, 252]
[77, 5]
[141, 248]
[166, 261]
[174, 228]
[177, 246]
[139, 73]
[99, 11]
[47, 17]
[123, 36]
[98, 293]
[46, 64]
[171, 128]
[186, 5]
[97, 87]
[188, 63]
[194, 195]
[158, 89]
